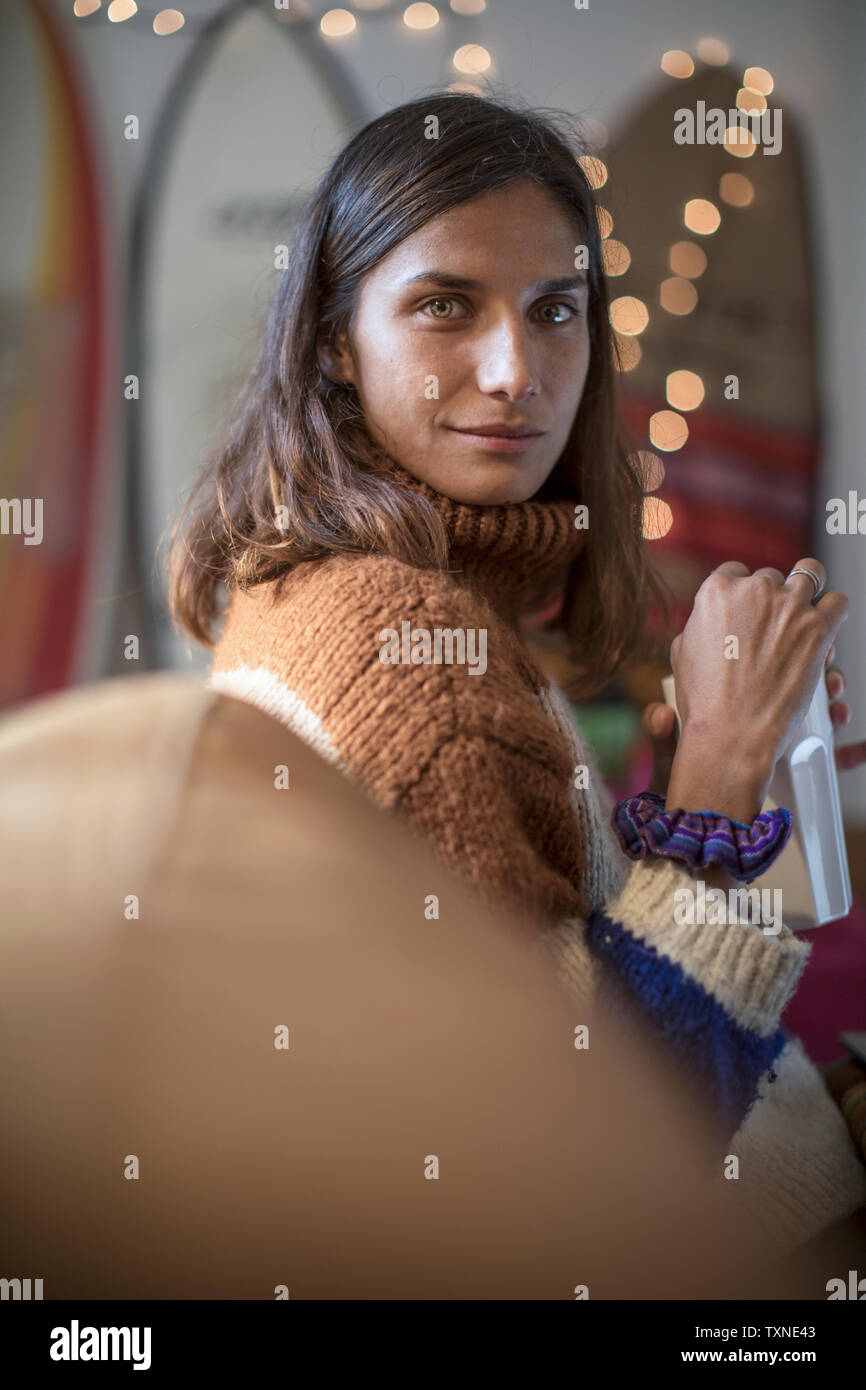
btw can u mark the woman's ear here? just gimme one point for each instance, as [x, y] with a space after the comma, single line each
[335, 359]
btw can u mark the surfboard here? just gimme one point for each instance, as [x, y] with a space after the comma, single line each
[256, 113]
[52, 357]
[743, 484]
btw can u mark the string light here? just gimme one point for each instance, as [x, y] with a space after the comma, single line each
[713, 51]
[628, 315]
[615, 256]
[471, 58]
[656, 518]
[668, 430]
[684, 390]
[649, 467]
[686, 257]
[677, 63]
[627, 352]
[595, 170]
[677, 296]
[702, 216]
[749, 100]
[739, 142]
[759, 80]
[421, 16]
[335, 23]
[168, 22]
[736, 189]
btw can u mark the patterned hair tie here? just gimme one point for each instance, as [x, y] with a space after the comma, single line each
[643, 826]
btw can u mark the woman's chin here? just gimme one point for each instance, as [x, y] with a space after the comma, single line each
[487, 481]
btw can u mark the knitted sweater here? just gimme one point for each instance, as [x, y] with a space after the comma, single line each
[479, 754]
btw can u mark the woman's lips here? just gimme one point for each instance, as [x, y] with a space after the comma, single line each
[501, 443]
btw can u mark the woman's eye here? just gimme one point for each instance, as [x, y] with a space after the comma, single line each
[572, 312]
[438, 304]
[443, 308]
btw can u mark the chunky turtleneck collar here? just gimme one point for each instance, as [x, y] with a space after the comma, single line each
[511, 551]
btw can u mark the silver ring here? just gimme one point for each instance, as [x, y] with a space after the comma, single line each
[816, 580]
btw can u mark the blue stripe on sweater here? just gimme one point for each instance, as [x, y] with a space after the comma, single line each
[725, 1059]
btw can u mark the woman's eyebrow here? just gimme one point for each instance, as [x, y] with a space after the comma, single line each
[450, 281]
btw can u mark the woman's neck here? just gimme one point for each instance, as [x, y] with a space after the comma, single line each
[513, 552]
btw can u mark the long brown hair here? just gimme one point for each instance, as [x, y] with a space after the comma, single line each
[296, 440]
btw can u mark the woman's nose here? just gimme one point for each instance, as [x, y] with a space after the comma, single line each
[505, 361]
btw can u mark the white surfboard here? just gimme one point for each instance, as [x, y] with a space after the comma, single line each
[252, 126]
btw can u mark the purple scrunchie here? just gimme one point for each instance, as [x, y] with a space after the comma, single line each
[701, 838]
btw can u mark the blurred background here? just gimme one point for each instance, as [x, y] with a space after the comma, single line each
[153, 158]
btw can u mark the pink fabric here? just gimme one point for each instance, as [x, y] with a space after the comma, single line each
[831, 998]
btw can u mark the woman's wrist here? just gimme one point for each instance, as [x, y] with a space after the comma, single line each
[707, 775]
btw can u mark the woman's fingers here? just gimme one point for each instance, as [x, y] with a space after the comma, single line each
[660, 722]
[659, 719]
[840, 713]
[850, 755]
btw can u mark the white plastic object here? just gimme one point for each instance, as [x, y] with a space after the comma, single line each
[812, 870]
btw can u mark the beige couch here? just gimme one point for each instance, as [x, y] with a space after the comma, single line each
[165, 908]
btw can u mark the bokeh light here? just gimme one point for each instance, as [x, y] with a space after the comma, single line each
[421, 16]
[687, 258]
[595, 170]
[747, 100]
[667, 430]
[759, 80]
[713, 51]
[702, 216]
[628, 315]
[677, 296]
[471, 58]
[677, 63]
[740, 142]
[684, 390]
[649, 468]
[168, 22]
[736, 189]
[616, 257]
[656, 519]
[335, 23]
[628, 352]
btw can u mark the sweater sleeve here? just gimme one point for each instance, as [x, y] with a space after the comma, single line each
[713, 994]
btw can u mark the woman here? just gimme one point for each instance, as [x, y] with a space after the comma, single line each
[428, 448]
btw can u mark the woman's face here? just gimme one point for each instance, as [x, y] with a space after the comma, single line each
[476, 321]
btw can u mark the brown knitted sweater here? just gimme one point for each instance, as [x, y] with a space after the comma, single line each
[479, 754]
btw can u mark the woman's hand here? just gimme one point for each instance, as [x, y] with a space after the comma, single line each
[659, 722]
